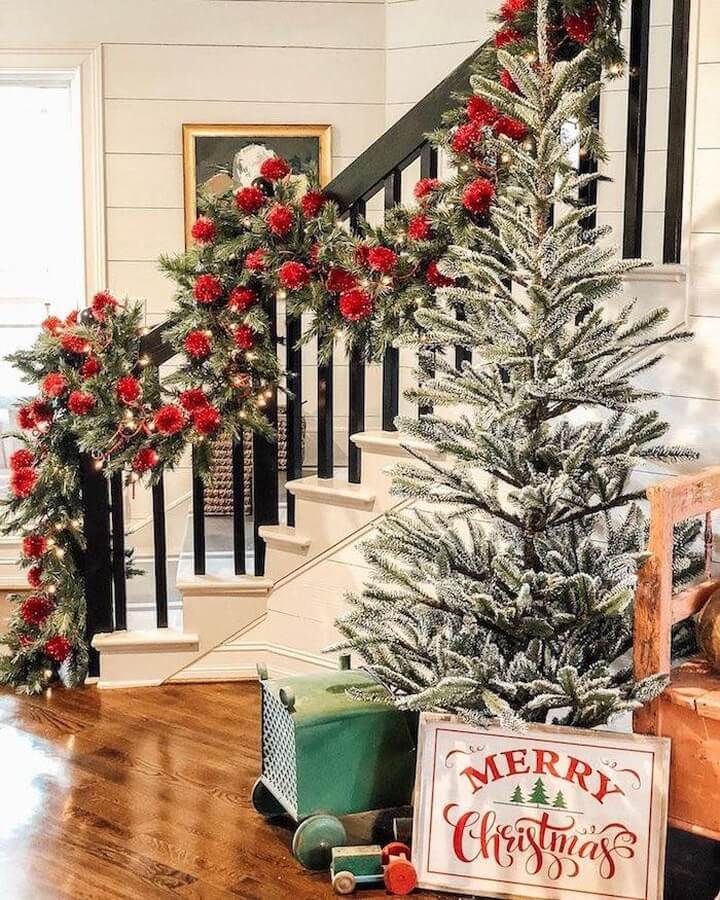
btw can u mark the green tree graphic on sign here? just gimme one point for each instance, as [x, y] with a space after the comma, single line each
[517, 796]
[539, 796]
[559, 801]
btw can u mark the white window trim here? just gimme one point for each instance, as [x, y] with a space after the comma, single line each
[85, 64]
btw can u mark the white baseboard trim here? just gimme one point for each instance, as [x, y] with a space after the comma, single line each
[119, 685]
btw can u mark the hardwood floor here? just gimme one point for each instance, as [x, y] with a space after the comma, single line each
[145, 794]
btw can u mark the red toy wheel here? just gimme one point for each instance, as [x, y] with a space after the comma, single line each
[394, 848]
[400, 877]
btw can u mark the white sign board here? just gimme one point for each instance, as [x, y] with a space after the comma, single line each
[548, 812]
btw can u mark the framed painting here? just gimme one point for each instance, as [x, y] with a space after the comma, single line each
[217, 158]
[551, 813]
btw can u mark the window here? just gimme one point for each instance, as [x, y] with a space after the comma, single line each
[42, 256]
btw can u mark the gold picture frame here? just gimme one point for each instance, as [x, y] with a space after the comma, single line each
[210, 157]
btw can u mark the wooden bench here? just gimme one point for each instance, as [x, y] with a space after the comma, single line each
[688, 712]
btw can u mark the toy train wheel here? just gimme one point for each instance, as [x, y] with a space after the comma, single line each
[344, 883]
[264, 801]
[400, 877]
[314, 840]
[395, 848]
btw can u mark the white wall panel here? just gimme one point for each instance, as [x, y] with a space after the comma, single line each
[143, 234]
[237, 73]
[413, 23]
[154, 126]
[310, 23]
[413, 72]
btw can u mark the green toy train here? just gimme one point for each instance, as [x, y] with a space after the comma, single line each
[337, 765]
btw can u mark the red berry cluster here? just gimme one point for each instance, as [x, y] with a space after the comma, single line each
[204, 231]
[293, 275]
[198, 345]
[250, 199]
[275, 168]
[54, 385]
[128, 390]
[169, 420]
[81, 403]
[34, 610]
[208, 288]
[280, 220]
[355, 305]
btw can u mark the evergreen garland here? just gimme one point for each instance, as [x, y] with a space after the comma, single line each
[95, 397]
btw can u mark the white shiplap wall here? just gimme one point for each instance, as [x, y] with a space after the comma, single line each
[166, 62]
[426, 39]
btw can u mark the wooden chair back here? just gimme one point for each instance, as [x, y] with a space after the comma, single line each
[657, 608]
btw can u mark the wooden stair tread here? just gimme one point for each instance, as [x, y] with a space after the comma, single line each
[333, 491]
[284, 536]
[694, 685]
[143, 641]
[392, 443]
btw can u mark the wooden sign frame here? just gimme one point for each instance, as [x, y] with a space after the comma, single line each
[485, 822]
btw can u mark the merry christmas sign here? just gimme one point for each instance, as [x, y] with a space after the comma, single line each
[548, 812]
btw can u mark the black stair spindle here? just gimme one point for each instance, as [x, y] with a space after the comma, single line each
[198, 514]
[118, 551]
[391, 357]
[636, 128]
[265, 488]
[293, 409]
[325, 450]
[588, 164]
[428, 161]
[428, 169]
[462, 354]
[266, 494]
[677, 122]
[356, 378]
[160, 543]
[391, 388]
[356, 417]
[97, 557]
[238, 481]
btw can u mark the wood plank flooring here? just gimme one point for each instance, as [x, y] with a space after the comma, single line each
[144, 794]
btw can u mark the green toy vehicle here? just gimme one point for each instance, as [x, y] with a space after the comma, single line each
[331, 762]
[353, 866]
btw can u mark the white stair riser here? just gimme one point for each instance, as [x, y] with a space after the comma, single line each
[280, 561]
[327, 524]
[213, 617]
[140, 668]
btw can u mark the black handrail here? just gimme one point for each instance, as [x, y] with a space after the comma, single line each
[403, 142]
[379, 170]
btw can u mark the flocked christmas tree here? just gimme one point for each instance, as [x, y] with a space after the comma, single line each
[506, 588]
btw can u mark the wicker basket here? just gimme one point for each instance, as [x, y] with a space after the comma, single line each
[219, 494]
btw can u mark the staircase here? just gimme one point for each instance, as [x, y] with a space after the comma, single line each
[305, 553]
[284, 619]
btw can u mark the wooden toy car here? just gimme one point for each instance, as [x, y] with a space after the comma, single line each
[328, 756]
[353, 866]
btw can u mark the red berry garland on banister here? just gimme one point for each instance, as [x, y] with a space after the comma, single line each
[79, 366]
